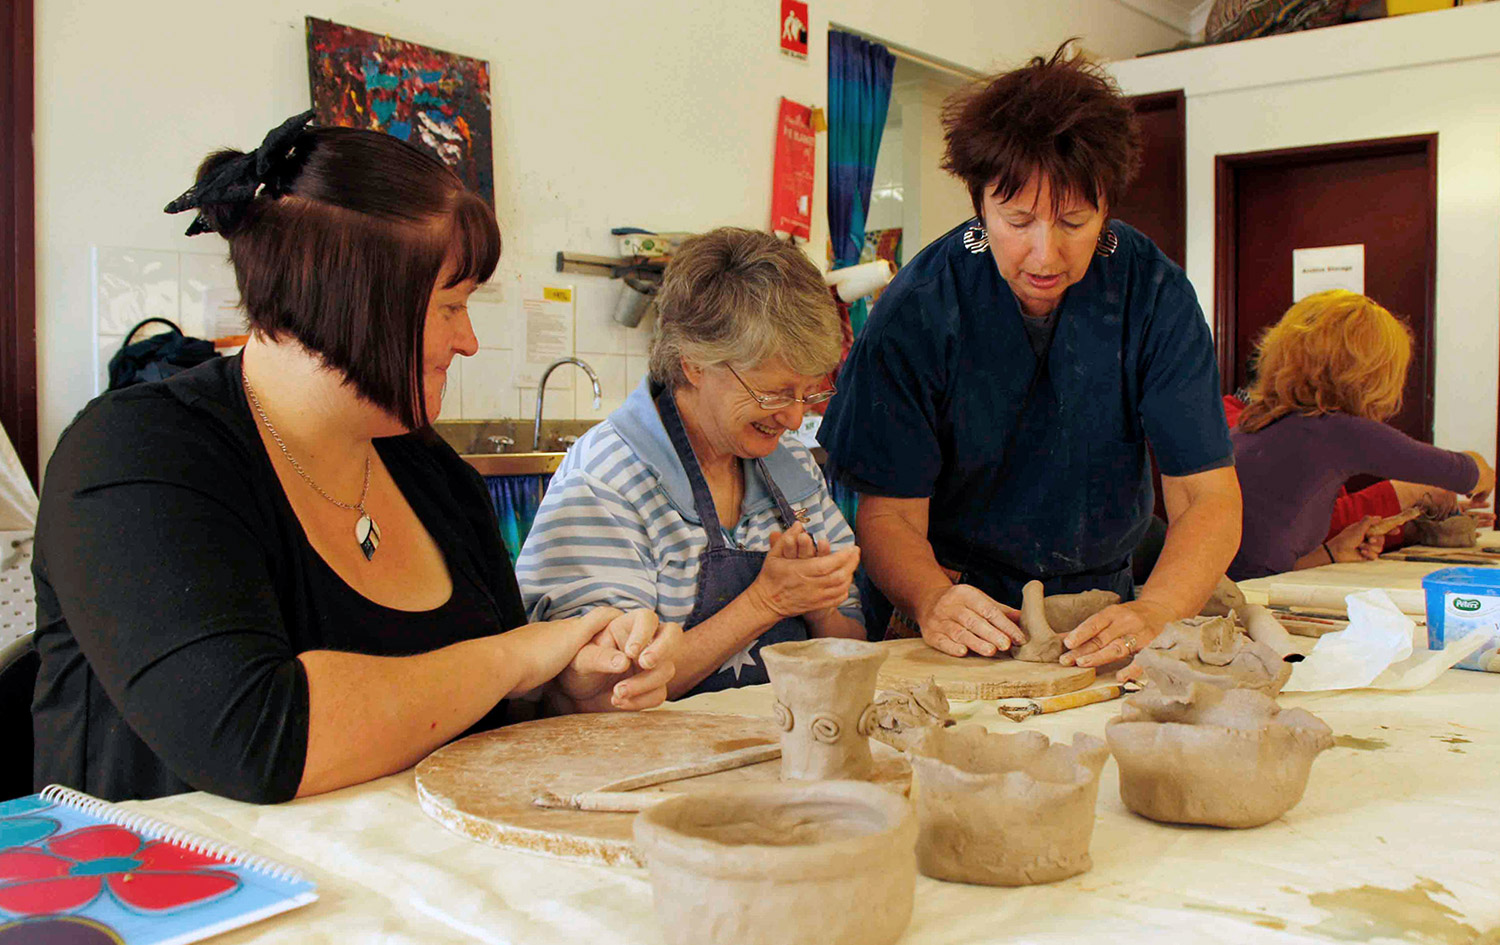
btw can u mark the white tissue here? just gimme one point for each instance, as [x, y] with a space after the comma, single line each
[1375, 651]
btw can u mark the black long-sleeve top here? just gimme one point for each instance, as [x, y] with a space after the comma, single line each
[175, 588]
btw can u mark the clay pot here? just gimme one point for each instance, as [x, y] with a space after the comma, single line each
[1210, 756]
[1004, 810]
[827, 863]
[825, 693]
[1213, 651]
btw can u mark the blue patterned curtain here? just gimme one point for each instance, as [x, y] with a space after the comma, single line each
[859, 94]
[516, 500]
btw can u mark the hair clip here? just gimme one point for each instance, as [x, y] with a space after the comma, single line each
[238, 180]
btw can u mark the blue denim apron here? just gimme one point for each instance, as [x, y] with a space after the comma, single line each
[724, 572]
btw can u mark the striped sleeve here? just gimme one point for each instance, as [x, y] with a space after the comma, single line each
[587, 548]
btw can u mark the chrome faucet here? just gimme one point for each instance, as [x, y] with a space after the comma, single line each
[541, 393]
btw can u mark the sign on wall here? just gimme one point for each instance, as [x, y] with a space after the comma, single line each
[1320, 268]
[792, 178]
[794, 29]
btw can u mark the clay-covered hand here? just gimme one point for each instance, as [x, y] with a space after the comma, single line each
[1438, 503]
[1355, 543]
[961, 618]
[626, 666]
[800, 576]
[1477, 508]
[1115, 633]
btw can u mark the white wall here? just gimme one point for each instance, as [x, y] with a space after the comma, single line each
[605, 114]
[1432, 72]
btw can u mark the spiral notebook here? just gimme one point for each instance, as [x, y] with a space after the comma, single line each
[77, 869]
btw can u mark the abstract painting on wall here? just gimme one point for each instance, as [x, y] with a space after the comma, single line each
[437, 100]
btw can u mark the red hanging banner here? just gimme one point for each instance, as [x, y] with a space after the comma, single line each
[792, 179]
[794, 29]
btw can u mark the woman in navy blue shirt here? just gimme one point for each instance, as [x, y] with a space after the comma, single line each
[995, 413]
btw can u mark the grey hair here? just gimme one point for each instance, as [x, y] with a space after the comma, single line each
[741, 297]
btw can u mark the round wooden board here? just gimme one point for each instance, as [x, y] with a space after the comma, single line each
[483, 786]
[977, 677]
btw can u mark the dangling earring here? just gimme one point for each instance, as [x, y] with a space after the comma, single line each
[976, 238]
[1108, 242]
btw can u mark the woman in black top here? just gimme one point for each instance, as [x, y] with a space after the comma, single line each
[266, 577]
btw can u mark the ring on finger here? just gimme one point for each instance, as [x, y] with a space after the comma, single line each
[1130, 645]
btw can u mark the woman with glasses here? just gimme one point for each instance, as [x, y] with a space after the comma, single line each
[691, 500]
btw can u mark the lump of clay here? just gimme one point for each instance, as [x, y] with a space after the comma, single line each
[1212, 651]
[826, 863]
[1046, 620]
[1204, 755]
[1456, 531]
[825, 695]
[1227, 600]
[901, 713]
[1004, 810]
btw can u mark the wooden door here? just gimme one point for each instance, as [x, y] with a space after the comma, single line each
[1156, 203]
[1382, 194]
[17, 235]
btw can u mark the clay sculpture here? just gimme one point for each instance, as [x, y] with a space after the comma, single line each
[1205, 755]
[1213, 651]
[903, 712]
[825, 690]
[1455, 531]
[1004, 810]
[1227, 600]
[829, 863]
[1046, 620]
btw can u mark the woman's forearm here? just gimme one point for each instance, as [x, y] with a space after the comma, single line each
[370, 716]
[831, 623]
[1203, 535]
[708, 645]
[896, 553]
[1316, 558]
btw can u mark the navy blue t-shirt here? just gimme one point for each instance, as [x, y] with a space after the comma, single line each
[937, 379]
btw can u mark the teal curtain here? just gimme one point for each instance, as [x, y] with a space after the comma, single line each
[859, 95]
[516, 499]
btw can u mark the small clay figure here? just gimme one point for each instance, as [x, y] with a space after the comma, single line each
[1046, 619]
[1211, 650]
[825, 691]
[1004, 810]
[826, 863]
[1206, 755]
[901, 713]
[1458, 530]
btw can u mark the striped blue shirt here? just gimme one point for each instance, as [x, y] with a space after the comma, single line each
[619, 528]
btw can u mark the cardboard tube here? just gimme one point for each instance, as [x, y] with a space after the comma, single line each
[856, 282]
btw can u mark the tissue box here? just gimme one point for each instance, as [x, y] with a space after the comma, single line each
[1460, 601]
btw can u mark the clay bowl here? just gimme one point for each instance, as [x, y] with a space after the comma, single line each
[1004, 810]
[820, 863]
[1243, 774]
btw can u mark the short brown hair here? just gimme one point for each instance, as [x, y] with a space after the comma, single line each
[741, 297]
[1334, 351]
[345, 258]
[1062, 117]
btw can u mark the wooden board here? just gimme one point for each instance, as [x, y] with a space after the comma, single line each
[977, 677]
[483, 786]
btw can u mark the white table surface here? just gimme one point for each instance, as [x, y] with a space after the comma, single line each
[1399, 834]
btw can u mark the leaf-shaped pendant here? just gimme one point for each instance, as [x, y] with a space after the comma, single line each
[367, 533]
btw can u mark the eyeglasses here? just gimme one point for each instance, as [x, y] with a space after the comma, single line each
[781, 401]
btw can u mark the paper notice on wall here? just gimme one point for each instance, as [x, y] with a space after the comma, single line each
[222, 315]
[1320, 268]
[547, 327]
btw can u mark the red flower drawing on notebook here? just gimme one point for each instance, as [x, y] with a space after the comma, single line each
[70, 870]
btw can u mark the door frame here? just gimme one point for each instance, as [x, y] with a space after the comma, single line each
[1174, 101]
[18, 233]
[1226, 169]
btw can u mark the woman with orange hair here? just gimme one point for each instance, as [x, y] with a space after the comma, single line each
[1331, 371]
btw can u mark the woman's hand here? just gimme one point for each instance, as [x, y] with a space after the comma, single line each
[1355, 543]
[961, 618]
[1486, 482]
[801, 576]
[625, 666]
[1114, 633]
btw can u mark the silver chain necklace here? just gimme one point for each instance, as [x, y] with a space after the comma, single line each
[366, 532]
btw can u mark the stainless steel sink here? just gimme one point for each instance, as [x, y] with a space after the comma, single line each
[514, 464]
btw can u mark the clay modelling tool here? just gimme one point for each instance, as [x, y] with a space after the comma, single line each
[615, 796]
[1019, 710]
[1393, 522]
